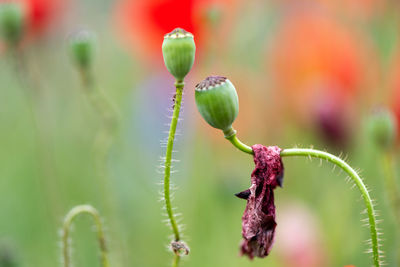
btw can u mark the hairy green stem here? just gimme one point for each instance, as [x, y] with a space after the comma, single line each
[168, 158]
[359, 183]
[72, 214]
[343, 165]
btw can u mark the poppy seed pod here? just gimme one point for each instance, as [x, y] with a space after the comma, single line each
[179, 50]
[217, 102]
[382, 128]
[11, 22]
[82, 46]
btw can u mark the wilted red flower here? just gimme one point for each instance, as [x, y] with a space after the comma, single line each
[258, 221]
[144, 22]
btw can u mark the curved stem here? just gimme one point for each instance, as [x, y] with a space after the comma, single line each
[343, 165]
[72, 214]
[238, 144]
[356, 179]
[168, 157]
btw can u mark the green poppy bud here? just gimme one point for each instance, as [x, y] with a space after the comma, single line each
[11, 22]
[382, 128]
[217, 102]
[82, 48]
[178, 50]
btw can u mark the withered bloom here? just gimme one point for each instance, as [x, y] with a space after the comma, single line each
[258, 221]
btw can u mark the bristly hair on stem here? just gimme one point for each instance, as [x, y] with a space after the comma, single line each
[178, 247]
[376, 252]
[72, 214]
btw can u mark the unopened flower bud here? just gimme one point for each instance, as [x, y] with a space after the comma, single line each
[217, 102]
[82, 48]
[11, 22]
[179, 50]
[382, 127]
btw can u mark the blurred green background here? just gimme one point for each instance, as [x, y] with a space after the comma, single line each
[308, 73]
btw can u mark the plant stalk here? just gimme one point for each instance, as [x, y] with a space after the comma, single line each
[105, 136]
[100, 233]
[168, 158]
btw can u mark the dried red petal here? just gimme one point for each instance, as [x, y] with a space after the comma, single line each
[258, 221]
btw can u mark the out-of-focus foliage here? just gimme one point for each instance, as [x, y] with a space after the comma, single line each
[306, 72]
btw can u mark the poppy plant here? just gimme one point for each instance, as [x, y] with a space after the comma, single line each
[258, 221]
[178, 50]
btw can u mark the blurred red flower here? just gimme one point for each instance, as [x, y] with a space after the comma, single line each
[41, 13]
[313, 49]
[315, 57]
[144, 22]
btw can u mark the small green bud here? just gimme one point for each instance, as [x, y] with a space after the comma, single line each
[11, 22]
[217, 102]
[178, 50]
[82, 48]
[382, 127]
